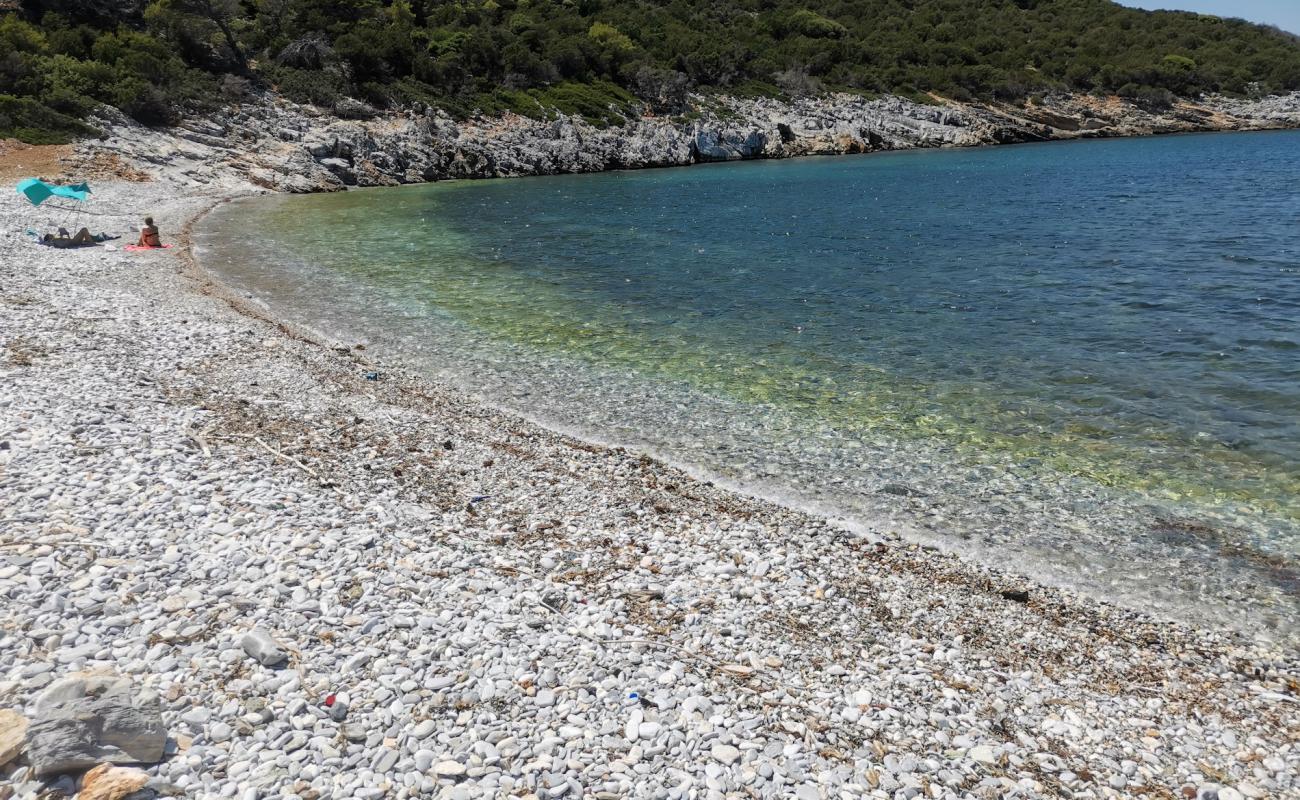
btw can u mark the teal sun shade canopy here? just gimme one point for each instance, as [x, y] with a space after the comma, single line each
[38, 191]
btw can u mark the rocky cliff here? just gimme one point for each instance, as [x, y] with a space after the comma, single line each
[286, 147]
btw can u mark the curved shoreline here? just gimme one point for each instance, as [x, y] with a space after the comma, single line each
[417, 383]
[1103, 543]
[233, 471]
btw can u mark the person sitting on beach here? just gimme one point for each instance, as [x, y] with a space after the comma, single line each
[149, 234]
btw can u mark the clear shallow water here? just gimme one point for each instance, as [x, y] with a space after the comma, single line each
[1080, 359]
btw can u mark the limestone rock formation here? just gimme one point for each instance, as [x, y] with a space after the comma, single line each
[286, 147]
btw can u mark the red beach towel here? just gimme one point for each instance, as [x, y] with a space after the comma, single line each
[135, 247]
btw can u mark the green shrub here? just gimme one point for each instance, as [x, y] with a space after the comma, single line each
[18, 36]
[512, 101]
[1154, 97]
[27, 120]
[157, 58]
[314, 87]
[758, 88]
[809, 23]
[610, 38]
[600, 103]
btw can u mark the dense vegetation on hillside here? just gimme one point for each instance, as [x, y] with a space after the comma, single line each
[58, 58]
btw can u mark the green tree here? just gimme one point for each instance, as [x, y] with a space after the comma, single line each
[190, 15]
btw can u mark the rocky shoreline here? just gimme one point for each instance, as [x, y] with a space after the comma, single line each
[285, 147]
[321, 577]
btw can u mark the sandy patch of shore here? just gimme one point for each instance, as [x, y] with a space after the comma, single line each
[19, 160]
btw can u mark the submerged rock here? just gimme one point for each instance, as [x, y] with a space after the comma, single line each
[901, 490]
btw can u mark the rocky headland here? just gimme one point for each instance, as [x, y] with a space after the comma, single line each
[286, 147]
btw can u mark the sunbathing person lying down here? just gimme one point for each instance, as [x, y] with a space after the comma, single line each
[82, 239]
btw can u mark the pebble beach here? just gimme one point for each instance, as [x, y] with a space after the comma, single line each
[335, 578]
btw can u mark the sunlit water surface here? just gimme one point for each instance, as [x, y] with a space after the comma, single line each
[1079, 360]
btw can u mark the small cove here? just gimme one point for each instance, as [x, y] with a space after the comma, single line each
[1081, 361]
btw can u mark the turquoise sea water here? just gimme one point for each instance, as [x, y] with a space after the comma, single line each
[1079, 359]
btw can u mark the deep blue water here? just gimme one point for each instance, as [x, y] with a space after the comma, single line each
[1079, 333]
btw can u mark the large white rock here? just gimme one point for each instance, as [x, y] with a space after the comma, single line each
[263, 648]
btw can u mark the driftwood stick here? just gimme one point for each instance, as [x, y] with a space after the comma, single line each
[288, 458]
[200, 438]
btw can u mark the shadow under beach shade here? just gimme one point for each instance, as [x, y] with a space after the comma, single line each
[1069, 357]
[67, 198]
